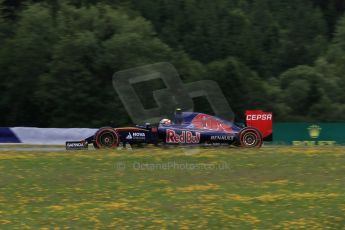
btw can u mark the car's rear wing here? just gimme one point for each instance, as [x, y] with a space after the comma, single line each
[261, 120]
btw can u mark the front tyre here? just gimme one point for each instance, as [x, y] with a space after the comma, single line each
[106, 138]
[250, 137]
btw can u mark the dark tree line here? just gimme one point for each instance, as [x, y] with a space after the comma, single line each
[57, 58]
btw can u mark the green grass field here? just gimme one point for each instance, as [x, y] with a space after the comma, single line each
[155, 188]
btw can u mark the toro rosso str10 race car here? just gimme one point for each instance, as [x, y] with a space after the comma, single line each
[187, 128]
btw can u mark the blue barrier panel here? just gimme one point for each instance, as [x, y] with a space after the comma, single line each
[8, 136]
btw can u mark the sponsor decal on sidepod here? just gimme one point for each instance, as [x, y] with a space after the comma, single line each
[138, 134]
[186, 137]
[222, 138]
[135, 136]
[129, 136]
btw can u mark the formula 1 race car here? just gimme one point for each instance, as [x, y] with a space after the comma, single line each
[188, 128]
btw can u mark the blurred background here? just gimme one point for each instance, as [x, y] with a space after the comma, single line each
[57, 58]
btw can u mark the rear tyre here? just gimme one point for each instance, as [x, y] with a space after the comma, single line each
[106, 138]
[250, 137]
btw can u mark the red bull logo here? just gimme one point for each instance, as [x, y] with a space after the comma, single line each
[186, 137]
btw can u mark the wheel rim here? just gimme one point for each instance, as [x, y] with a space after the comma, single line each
[250, 139]
[107, 139]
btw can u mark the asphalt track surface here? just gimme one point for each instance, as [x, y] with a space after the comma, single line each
[62, 148]
[33, 149]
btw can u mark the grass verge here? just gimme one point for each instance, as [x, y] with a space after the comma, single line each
[215, 188]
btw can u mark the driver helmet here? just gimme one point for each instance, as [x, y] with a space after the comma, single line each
[165, 121]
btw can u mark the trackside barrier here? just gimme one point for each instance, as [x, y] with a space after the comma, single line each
[41, 136]
[309, 134]
[298, 134]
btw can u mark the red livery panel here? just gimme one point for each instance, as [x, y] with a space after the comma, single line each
[260, 120]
